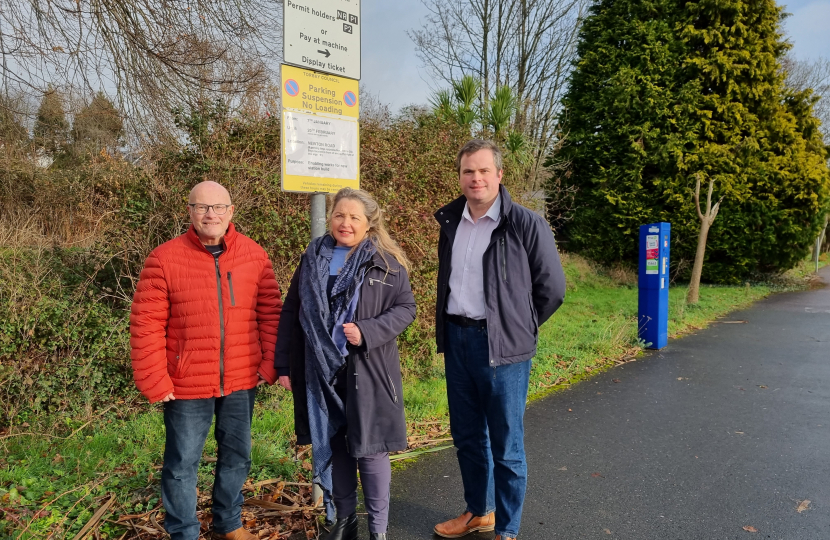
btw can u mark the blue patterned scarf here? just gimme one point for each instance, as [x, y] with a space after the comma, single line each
[325, 351]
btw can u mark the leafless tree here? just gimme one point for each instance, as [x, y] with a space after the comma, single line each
[527, 45]
[153, 54]
[706, 220]
[802, 75]
[815, 74]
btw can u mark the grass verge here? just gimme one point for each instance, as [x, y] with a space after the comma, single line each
[54, 478]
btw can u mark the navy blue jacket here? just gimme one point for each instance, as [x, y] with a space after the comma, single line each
[523, 279]
[374, 404]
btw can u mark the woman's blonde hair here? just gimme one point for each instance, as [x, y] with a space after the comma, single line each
[377, 227]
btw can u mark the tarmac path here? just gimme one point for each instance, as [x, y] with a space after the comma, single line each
[721, 430]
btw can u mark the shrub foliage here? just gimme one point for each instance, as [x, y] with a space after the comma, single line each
[64, 329]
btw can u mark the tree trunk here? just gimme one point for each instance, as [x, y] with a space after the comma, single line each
[487, 19]
[694, 285]
[819, 242]
[706, 220]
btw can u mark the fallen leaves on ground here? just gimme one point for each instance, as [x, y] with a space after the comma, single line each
[277, 510]
[803, 505]
[551, 380]
[427, 434]
[424, 437]
[596, 475]
[616, 380]
[750, 528]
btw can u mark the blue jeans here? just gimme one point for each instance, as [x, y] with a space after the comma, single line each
[187, 422]
[487, 408]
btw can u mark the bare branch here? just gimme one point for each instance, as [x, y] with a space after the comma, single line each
[811, 75]
[527, 45]
[697, 197]
[714, 212]
[152, 54]
[709, 196]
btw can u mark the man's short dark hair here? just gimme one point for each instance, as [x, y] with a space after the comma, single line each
[474, 146]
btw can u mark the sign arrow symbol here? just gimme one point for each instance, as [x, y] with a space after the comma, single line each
[326, 53]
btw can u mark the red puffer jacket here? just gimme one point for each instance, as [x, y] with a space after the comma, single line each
[201, 328]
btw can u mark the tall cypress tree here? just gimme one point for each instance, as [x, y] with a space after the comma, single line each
[753, 145]
[98, 125]
[627, 118]
[51, 128]
[665, 92]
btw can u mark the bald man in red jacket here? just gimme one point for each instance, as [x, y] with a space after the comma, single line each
[202, 332]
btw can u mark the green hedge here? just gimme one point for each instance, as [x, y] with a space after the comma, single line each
[64, 312]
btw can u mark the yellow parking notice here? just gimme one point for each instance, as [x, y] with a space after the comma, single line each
[313, 92]
[320, 141]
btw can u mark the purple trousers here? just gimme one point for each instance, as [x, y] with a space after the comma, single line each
[375, 477]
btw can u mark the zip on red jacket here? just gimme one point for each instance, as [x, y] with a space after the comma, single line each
[202, 327]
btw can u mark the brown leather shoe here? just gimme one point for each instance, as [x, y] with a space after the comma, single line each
[498, 537]
[238, 534]
[465, 524]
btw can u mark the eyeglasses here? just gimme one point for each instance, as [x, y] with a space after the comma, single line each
[218, 209]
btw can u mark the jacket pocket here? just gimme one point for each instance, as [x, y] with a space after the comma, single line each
[230, 287]
[181, 363]
[534, 319]
[390, 386]
[503, 259]
[518, 323]
[533, 314]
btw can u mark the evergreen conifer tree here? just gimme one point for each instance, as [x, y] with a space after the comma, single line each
[664, 93]
[51, 128]
[97, 126]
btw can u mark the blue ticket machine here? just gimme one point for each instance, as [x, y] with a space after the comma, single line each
[653, 319]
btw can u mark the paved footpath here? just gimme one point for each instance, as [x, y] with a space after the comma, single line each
[723, 429]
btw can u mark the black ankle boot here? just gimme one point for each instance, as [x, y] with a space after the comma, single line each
[377, 536]
[344, 528]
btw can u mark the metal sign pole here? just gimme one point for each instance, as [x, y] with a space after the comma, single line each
[318, 228]
[318, 215]
[320, 108]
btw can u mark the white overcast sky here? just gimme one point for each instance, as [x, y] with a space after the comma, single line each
[391, 69]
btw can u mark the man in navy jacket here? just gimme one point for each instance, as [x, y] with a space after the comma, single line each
[499, 279]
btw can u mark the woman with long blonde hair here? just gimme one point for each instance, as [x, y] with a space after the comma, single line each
[336, 351]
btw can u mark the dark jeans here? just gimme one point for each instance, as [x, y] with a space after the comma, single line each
[487, 408]
[187, 422]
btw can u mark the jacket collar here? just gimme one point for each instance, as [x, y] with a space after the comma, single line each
[390, 266]
[227, 240]
[450, 215]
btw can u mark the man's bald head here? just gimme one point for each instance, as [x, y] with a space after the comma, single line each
[209, 191]
[210, 225]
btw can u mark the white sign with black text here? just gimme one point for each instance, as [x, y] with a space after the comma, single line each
[320, 147]
[323, 35]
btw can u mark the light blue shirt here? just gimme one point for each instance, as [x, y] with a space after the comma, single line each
[338, 259]
[467, 276]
